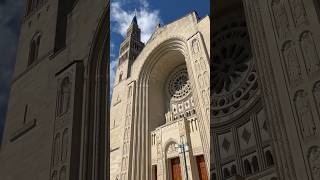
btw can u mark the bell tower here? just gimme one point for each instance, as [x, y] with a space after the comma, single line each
[130, 48]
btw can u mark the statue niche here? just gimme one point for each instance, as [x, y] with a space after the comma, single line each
[280, 18]
[310, 53]
[304, 113]
[314, 161]
[292, 63]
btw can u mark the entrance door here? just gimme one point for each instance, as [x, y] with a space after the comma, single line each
[175, 169]
[154, 172]
[203, 175]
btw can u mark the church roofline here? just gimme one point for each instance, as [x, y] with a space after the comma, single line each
[192, 13]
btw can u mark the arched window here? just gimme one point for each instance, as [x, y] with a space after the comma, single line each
[269, 158]
[64, 152]
[226, 173]
[64, 96]
[233, 170]
[56, 149]
[34, 48]
[247, 167]
[255, 164]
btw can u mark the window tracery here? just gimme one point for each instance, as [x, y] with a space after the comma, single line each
[233, 75]
[179, 85]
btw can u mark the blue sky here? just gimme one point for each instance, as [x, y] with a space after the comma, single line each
[149, 14]
[10, 21]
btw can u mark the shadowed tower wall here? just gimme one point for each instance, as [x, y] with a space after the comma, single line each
[265, 118]
[45, 134]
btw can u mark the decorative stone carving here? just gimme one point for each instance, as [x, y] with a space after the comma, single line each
[195, 46]
[233, 78]
[179, 86]
[314, 161]
[293, 67]
[246, 135]
[280, 18]
[226, 144]
[310, 53]
[172, 150]
[304, 114]
[168, 116]
[298, 11]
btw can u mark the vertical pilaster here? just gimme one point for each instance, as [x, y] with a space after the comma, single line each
[127, 147]
[200, 75]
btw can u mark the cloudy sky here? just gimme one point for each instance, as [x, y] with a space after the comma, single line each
[10, 20]
[149, 14]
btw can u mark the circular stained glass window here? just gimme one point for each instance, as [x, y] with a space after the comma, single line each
[233, 78]
[231, 60]
[178, 84]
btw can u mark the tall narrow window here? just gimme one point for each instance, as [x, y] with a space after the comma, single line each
[247, 167]
[120, 77]
[34, 48]
[29, 7]
[64, 9]
[233, 170]
[226, 173]
[64, 149]
[64, 96]
[269, 158]
[255, 164]
[56, 149]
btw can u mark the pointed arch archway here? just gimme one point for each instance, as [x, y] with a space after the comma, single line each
[95, 135]
[144, 112]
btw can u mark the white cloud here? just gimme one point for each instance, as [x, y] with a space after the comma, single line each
[112, 50]
[113, 65]
[113, 69]
[147, 19]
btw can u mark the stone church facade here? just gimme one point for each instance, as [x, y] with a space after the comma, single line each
[265, 78]
[161, 102]
[56, 125]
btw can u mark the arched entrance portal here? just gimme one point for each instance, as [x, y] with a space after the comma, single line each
[95, 137]
[151, 105]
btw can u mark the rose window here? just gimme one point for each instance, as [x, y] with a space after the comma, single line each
[179, 85]
[230, 65]
[233, 76]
